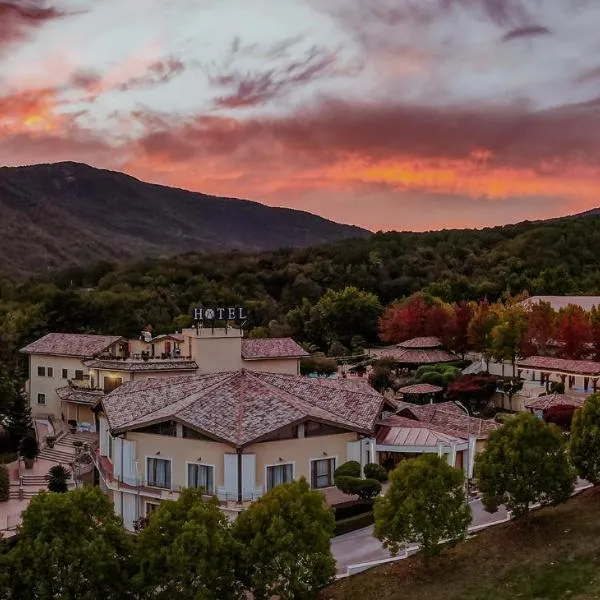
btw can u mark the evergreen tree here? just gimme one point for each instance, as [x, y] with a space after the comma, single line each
[19, 421]
[585, 440]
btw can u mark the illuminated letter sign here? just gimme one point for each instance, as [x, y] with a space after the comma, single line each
[220, 313]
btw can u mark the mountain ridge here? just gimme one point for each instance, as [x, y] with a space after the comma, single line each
[62, 214]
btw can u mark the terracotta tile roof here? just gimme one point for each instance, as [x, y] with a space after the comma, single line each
[177, 337]
[79, 395]
[71, 344]
[265, 348]
[558, 302]
[401, 431]
[449, 419]
[421, 342]
[420, 388]
[544, 402]
[410, 356]
[240, 407]
[135, 366]
[548, 363]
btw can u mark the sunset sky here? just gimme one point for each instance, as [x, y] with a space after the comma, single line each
[388, 114]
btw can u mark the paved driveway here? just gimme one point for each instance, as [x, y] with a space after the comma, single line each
[360, 546]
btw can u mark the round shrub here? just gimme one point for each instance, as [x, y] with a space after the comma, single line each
[365, 489]
[348, 469]
[375, 471]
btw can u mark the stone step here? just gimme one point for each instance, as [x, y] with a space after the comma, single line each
[57, 456]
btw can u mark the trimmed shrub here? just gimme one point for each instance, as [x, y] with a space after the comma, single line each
[58, 477]
[375, 471]
[4, 483]
[348, 469]
[354, 523]
[365, 489]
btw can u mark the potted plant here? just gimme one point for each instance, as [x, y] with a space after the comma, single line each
[50, 439]
[72, 425]
[29, 451]
[78, 444]
[58, 477]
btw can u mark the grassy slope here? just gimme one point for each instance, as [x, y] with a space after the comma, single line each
[556, 557]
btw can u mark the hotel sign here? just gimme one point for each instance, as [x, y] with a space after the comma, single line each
[220, 313]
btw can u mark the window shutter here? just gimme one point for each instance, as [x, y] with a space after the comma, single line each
[249, 475]
[117, 457]
[129, 474]
[103, 438]
[230, 476]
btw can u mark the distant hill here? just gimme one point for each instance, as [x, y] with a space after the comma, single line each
[62, 214]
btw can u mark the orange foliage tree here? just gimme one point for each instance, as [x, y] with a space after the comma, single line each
[573, 332]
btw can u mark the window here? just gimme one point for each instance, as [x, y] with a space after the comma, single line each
[278, 474]
[192, 434]
[110, 446]
[41, 398]
[150, 508]
[65, 373]
[321, 473]
[50, 372]
[201, 476]
[112, 383]
[78, 374]
[41, 371]
[158, 473]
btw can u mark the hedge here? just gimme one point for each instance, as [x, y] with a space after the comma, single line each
[354, 523]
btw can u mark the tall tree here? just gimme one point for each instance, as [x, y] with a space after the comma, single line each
[573, 332]
[509, 334]
[408, 319]
[585, 439]
[285, 543]
[19, 421]
[541, 324]
[425, 503]
[457, 331]
[341, 315]
[186, 551]
[525, 461]
[71, 546]
[595, 327]
[485, 318]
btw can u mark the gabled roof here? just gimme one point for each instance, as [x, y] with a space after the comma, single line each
[449, 419]
[72, 344]
[401, 431]
[549, 363]
[241, 407]
[79, 395]
[544, 402]
[414, 356]
[134, 366]
[271, 348]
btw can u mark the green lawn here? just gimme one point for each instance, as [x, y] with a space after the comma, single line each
[556, 557]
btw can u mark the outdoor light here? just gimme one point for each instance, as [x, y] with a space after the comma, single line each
[280, 459]
[324, 453]
[158, 452]
[199, 459]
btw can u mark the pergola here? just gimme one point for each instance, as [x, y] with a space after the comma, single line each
[423, 392]
[566, 370]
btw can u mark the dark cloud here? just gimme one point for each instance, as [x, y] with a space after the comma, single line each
[160, 72]
[529, 31]
[508, 136]
[19, 17]
[247, 89]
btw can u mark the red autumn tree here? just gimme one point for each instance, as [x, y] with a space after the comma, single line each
[595, 325]
[474, 391]
[440, 322]
[457, 331]
[479, 333]
[561, 415]
[405, 320]
[573, 332]
[541, 326]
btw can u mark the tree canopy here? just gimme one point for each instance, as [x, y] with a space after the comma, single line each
[524, 462]
[585, 439]
[425, 503]
[285, 543]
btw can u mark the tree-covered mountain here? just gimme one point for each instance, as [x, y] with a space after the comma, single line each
[57, 215]
[281, 288]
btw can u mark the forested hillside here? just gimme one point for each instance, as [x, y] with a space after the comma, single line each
[281, 289]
